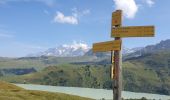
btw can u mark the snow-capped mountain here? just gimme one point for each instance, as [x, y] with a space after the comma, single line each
[82, 49]
[74, 49]
[132, 50]
[163, 45]
[125, 51]
[77, 49]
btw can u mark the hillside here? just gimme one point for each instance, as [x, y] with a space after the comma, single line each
[159, 64]
[8, 86]
[148, 73]
[11, 92]
[66, 75]
[40, 63]
[163, 45]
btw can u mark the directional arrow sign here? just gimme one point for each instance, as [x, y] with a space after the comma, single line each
[133, 31]
[107, 46]
[117, 18]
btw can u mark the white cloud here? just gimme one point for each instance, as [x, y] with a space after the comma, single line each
[129, 7]
[82, 45]
[61, 18]
[76, 45]
[73, 18]
[150, 2]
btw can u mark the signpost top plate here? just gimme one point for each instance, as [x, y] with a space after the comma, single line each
[117, 18]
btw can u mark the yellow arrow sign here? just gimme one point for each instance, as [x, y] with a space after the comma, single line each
[133, 31]
[107, 46]
[117, 18]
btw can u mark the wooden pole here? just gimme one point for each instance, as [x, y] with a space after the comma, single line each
[117, 83]
[112, 71]
[112, 65]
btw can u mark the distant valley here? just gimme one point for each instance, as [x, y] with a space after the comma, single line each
[145, 69]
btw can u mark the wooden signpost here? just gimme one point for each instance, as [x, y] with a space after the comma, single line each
[133, 31]
[107, 46]
[116, 18]
[119, 32]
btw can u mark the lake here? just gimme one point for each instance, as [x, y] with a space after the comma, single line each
[92, 93]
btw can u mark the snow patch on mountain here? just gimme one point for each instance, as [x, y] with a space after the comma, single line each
[130, 50]
[66, 50]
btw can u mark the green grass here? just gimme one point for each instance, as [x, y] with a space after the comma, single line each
[40, 63]
[18, 63]
[36, 95]
[11, 92]
[147, 73]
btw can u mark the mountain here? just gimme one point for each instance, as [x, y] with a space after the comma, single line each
[148, 72]
[78, 49]
[75, 49]
[98, 54]
[125, 51]
[132, 50]
[163, 45]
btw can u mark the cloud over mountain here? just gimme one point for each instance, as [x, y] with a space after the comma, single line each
[66, 50]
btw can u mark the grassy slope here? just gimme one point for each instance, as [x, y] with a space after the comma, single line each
[66, 75]
[147, 73]
[8, 86]
[12, 92]
[158, 66]
[136, 77]
[40, 62]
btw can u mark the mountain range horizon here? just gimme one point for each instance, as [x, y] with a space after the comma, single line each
[81, 48]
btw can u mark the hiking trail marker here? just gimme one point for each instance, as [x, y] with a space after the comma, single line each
[114, 46]
[107, 46]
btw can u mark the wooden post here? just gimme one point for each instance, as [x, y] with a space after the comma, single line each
[112, 71]
[117, 83]
[112, 65]
[117, 79]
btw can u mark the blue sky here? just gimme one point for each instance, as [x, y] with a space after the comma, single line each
[30, 26]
